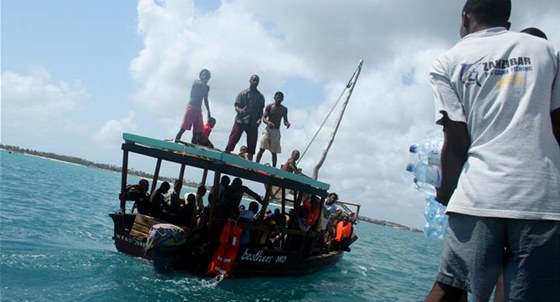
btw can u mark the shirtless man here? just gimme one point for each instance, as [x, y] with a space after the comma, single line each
[193, 113]
[273, 115]
[291, 165]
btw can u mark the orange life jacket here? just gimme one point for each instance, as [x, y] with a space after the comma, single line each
[343, 231]
[225, 255]
[311, 214]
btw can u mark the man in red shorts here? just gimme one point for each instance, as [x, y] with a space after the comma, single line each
[193, 113]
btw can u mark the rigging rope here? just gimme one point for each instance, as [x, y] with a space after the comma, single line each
[348, 85]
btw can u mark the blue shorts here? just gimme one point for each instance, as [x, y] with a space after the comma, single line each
[473, 257]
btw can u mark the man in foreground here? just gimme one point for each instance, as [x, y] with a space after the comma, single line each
[498, 100]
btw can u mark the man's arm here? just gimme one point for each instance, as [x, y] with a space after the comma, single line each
[238, 103]
[286, 123]
[253, 194]
[456, 144]
[555, 115]
[260, 111]
[265, 119]
[206, 103]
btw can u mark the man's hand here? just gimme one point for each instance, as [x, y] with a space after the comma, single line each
[287, 124]
[442, 198]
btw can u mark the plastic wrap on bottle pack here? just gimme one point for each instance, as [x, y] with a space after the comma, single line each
[426, 167]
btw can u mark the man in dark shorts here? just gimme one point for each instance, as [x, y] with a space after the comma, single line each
[249, 106]
[273, 115]
[497, 96]
[193, 113]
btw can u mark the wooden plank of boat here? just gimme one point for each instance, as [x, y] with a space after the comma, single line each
[142, 224]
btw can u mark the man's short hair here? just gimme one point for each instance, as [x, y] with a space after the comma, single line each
[535, 32]
[204, 71]
[279, 93]
[489, 12]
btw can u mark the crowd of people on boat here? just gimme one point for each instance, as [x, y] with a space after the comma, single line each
[333, 224]
[251, 112]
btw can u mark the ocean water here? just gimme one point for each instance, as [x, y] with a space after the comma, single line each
[55, 245]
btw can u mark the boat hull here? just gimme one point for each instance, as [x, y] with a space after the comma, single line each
[250, 262]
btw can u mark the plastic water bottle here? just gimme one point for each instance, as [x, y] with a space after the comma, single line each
[436, 219]
[426, 177]
[428, 151]
[426, 167]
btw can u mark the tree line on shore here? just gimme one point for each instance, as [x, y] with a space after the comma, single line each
[87, 163]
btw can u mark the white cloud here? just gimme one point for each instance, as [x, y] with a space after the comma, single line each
[37, 95]
[35, 105]
[110, 135]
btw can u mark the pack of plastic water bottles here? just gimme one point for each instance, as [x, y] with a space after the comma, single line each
[425, 165]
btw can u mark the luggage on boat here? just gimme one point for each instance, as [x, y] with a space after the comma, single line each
[165, 240]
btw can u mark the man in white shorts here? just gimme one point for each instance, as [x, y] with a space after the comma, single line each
[498, 100]
[273, 115]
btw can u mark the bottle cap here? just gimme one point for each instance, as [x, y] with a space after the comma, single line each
[410, 167]
[413, 148]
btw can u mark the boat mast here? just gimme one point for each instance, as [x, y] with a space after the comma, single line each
[351, 84]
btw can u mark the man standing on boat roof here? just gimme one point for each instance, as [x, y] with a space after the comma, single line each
[273, 115]
[193, 113]
[249, 106]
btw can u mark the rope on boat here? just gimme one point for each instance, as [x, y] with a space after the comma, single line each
[348, 86]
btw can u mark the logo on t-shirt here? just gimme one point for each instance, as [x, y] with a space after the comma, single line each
[469, 74]
[508, 71]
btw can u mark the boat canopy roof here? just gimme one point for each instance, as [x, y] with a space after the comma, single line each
[214, 160]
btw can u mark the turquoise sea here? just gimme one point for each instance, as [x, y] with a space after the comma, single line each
[55, 245]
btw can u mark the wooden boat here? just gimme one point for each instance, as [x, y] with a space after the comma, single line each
[302, 252]
[213, 246]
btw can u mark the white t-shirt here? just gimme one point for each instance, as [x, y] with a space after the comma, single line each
[503, 85]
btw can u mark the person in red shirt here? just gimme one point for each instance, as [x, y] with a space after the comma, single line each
[204, 139]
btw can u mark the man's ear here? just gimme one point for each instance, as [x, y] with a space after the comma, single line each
[466, 21]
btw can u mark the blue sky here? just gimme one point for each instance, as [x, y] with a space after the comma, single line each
[76, 74]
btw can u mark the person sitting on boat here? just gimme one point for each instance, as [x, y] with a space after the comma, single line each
[291, 163]
[248, 215]
[343, 237]
[233, 195]
[200, 192]
[158, 206]
[139, 194]
[278, 222]
[330, 216]
[204, 139]
[224, 184]
[308, 213]
[187, 211]
[193, 113]
[243, 152]
[173, 197]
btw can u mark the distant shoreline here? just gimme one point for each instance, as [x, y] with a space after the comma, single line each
[86, 163]
[389, 224]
